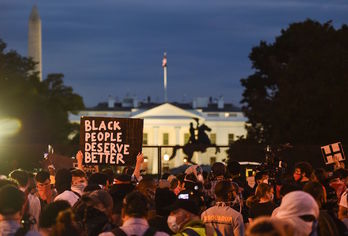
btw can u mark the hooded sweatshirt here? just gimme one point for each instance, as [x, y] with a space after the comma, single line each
[294, 205]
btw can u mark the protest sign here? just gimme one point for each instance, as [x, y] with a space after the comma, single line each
[57, 161]
[333, 152]
[114, 141]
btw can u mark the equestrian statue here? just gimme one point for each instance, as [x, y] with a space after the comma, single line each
[196, 144]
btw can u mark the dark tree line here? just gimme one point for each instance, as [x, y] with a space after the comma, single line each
[298, 91]
[41, 107]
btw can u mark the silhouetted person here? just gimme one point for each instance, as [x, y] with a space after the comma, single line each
[192, 134]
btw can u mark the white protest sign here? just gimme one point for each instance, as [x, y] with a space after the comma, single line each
[333, 152]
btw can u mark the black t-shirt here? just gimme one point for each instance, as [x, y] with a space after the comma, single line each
[261, 209]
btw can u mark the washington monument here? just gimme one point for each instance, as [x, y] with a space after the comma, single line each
[34, 39]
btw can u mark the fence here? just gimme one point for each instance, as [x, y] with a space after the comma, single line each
[163, 149]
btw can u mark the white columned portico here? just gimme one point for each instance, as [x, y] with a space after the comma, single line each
[178, 159]
[155, 142]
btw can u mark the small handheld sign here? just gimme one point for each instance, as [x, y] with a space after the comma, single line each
[114, 141]
[333, 152]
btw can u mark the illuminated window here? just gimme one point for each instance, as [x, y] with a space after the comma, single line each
[230, 138]
[145, 138]
[144, 166]
[186, 138]
[213, 138]
[165, 139]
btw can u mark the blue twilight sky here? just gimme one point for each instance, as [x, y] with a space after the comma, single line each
[115, 47]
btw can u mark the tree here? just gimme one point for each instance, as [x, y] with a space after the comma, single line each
[298, 92]
[41, 107]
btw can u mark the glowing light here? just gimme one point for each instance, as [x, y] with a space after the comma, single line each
[185, 160]
[166, 157]
[9, 127]
[145, 159]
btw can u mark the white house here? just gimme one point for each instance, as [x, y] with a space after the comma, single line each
[168, 124]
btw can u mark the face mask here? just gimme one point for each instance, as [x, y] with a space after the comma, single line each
[297, 177]
[44, 191]
[80, 186]
[173, 226]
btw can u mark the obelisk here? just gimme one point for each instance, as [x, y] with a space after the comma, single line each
[34, 39]
[164, 65]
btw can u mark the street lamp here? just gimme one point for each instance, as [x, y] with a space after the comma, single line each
[9, 127]
[166, 157]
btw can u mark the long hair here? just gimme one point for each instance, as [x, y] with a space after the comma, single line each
[66, 224]
[261, 191]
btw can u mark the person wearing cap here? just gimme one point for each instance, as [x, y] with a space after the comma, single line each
[163, 199]
[184, 219]
[222, 218]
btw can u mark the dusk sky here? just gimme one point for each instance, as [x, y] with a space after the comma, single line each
[115, 47]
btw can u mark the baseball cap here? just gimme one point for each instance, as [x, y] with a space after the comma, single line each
[186, 204]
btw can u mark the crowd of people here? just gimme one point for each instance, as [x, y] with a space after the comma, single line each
[301, 201]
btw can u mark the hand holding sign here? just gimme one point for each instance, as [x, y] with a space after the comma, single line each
[140, 158]
[79, 158]
[333, 153]
[110, 140]
[137, 169]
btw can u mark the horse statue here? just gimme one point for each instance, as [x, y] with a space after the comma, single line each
[196, 145]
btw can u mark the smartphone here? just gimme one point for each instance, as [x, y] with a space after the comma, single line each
[183, 196]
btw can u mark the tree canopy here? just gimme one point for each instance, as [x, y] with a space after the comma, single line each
[42, 109]
[298, 91]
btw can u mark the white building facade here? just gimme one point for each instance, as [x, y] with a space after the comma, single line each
[168, 125]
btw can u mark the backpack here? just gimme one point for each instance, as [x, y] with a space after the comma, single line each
[26, 223]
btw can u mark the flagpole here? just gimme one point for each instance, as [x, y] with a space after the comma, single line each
[164, 64]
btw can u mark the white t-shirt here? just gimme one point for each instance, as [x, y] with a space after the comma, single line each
[34, 208]
[343, 201]
[68, 196]
[135, 227]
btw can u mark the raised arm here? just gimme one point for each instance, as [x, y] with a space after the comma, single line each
[140, 161]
